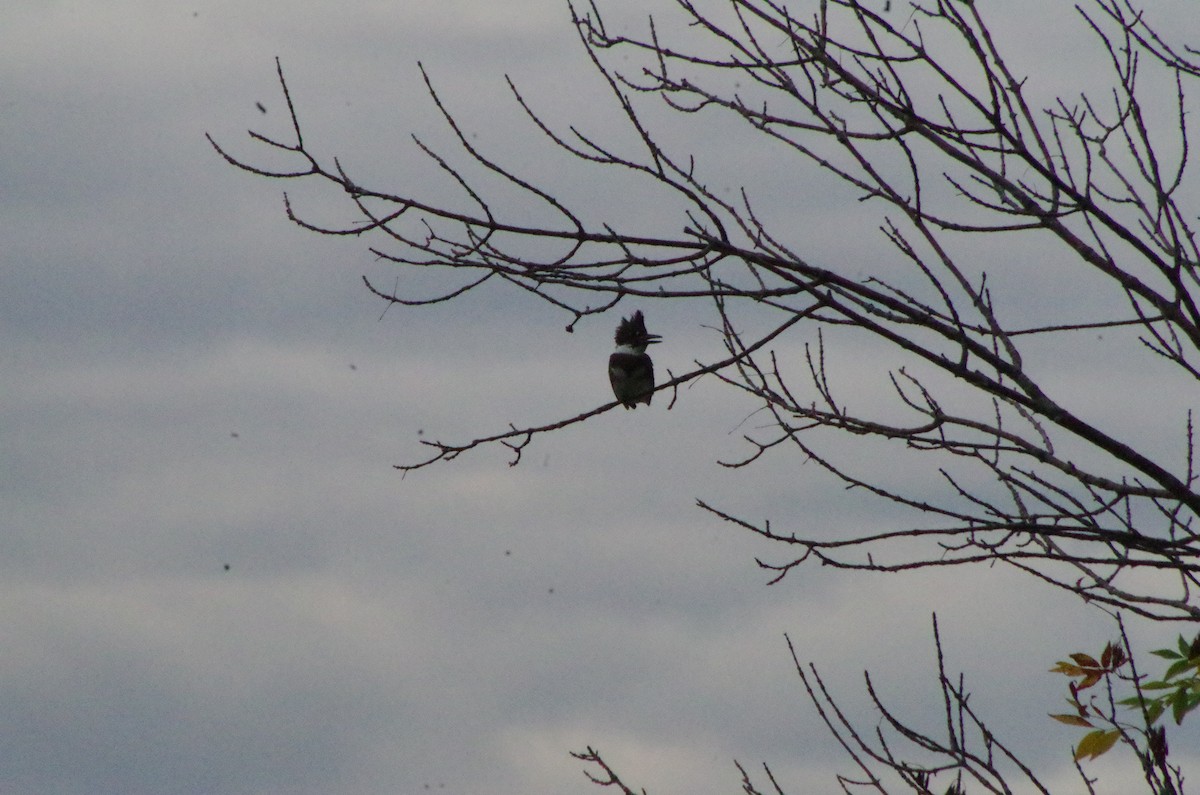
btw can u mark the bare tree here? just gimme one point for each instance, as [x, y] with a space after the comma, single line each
[918, 112]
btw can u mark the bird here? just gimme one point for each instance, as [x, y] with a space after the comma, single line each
[630, 370]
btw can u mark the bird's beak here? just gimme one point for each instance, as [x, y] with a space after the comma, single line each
[653, 338]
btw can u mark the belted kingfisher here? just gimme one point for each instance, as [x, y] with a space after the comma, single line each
[629, 368]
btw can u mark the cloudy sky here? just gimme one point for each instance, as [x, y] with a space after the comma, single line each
[214, 581]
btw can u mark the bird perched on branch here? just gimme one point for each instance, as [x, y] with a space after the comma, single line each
[629, 368]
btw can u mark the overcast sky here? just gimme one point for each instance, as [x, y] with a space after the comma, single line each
[213, 580]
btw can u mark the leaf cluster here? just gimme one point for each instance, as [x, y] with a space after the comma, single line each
[1086, 672]
[1179, 687]
[1176, 691]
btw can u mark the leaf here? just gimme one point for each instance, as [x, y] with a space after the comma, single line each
[1166, 654]
[1158, 684]
[1096, 743]
[1182, 702]
[1073, 720]
[1154, 706]
[1067, 669]
[1113, 656]
[1080, 709]
[1086, 660]
[1156, 744]
[1192, 702]
[1176, 668]
[1178, 707]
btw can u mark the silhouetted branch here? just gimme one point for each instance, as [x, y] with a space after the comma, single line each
[923, 118]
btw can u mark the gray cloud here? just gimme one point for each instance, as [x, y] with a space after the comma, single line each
[190, 382]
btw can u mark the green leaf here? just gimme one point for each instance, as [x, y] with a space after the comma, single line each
[1177, 668]
[1096, 743]
[1178, 707]
[1183, 702]
[1166, 654]
[1158, 684]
